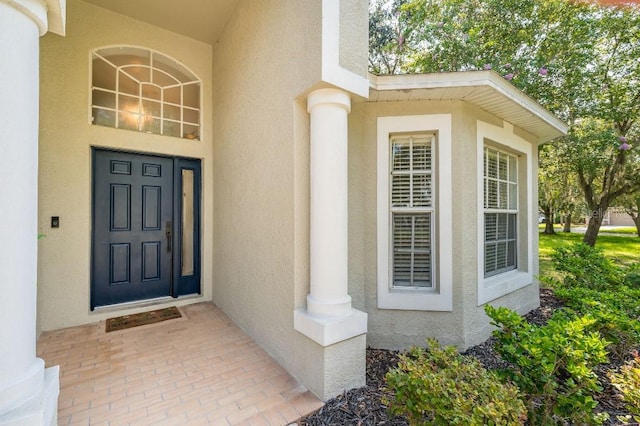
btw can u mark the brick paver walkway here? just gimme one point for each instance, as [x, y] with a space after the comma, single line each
[196, 370]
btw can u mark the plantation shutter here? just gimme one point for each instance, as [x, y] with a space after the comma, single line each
[412, 210]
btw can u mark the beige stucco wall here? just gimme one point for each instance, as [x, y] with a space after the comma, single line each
[354, 36]
[66, 138]
[268, 57]
[467, 324]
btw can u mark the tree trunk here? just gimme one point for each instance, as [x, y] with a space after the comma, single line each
[548, 221]
[567, 223]
[593, 228]
[548, 226]
[636, 220]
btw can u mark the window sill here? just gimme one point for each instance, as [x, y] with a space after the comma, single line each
[411, 299]
[499, 285]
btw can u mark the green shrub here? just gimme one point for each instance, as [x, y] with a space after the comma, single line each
[586, 266]
[615, 314]
[593, 285]
[440, 386]
[552, 365]
[623, 299]
[627, 381]
[632, 276]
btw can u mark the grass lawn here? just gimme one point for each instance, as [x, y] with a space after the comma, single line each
[627, 230]
[621, 249]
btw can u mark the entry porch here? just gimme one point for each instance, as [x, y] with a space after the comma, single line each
[197, 369]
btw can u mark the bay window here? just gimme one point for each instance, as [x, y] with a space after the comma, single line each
[505, 217]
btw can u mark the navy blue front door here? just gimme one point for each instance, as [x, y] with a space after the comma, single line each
[136, 246]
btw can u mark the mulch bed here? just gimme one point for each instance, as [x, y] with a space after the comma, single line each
[363, 406]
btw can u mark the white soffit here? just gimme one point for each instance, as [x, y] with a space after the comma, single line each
[484, 89]
[199, 19]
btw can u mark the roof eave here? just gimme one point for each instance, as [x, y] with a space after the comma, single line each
[508, 94]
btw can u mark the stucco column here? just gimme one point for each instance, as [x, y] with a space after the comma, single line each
[329, 203]
[28, 391]
[328, 302]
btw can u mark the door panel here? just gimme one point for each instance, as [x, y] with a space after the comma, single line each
[151, 261]
[133, 205]
[151, 208]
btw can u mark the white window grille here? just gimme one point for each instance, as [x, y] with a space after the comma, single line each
[142, 90]
[412, 210]
[500, 212]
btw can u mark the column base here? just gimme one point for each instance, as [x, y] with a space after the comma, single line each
[330, 371]
[326, 331]
[333, 308]
[42, 408]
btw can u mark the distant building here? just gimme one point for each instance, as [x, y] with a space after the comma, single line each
[615, 216]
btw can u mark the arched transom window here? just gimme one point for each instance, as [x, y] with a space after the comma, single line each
[138, 89]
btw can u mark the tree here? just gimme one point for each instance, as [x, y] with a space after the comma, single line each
[631, 205]
[386, 41]
[572, 204]
[558, 191]
[606, 177]
[549, 196]
[578, 59]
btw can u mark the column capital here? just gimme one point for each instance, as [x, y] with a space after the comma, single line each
[36, 10]
[48, 15]
[329, 96]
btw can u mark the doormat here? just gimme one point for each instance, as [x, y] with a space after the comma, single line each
[143, 318]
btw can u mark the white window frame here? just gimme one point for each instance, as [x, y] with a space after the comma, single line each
[504, 139]
[504, 210]
[135, 109]
[440, 297]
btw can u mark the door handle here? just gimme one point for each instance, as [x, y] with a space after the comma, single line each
[169, 233]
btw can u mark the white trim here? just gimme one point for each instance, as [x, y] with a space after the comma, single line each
[440, 299]
[485, 89]
[332, 72]
[57, 16]
[469, 79]
[327, 331]
[496, 286]
[36, 10]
